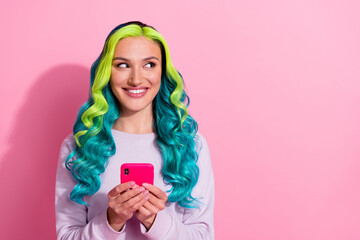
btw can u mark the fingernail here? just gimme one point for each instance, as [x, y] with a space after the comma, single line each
[147, 198]
[145, 185]
[131, 184]
[141, 189]
[146, 192]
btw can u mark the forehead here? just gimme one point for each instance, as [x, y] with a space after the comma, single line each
[137, 46]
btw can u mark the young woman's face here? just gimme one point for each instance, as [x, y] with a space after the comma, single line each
[136, 74]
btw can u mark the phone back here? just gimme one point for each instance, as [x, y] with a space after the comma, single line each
[138, 172]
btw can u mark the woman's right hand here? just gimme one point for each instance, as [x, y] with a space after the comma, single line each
[124, 200]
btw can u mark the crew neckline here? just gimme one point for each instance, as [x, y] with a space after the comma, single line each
[119, 133]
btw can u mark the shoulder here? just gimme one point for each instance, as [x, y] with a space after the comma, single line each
[205, 183]
[67, 146]
[69, 142]
[201, 143]
[63, 177]
[203, 151]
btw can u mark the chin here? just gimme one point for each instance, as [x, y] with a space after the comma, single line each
[135, 109]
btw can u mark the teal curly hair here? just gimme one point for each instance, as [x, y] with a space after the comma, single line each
[175, 129]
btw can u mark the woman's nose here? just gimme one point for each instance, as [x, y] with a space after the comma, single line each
[135, 77]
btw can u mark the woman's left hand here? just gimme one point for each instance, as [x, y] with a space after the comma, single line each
[156, 202]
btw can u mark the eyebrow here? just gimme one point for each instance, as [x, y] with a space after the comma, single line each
[128, 60]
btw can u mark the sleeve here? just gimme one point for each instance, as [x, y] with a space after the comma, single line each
[71, 217]
[197, 223]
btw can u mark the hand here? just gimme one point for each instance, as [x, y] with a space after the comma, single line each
[124, 200]
[156, 202]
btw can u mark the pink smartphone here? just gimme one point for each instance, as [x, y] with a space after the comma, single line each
[138, 172]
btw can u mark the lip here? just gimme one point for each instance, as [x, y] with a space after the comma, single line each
[135, 95]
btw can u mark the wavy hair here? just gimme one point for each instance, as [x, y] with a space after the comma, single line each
[175, 129]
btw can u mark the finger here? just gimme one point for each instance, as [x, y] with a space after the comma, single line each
[158, 203]
[128, 207]
[136, 202]
[120, 188]
[144, 211]
[151, 209]
[127, 195]
[135, 186]
[155, 190]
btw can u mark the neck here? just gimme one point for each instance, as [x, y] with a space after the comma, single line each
[137, 122]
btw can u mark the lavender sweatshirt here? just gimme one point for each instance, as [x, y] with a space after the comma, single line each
[75, 221]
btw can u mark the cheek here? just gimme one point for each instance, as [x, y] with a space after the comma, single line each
[155, 78]
[117, 77]
[116, 82]
[114, 89]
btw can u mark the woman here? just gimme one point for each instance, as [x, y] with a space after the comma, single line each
[136, 113]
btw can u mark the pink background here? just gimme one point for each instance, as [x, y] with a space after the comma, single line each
[274, 86]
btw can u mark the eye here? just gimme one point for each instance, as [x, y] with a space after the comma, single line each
[149, 65]
[122, 65]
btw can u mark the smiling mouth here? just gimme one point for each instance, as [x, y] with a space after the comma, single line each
[135, 92]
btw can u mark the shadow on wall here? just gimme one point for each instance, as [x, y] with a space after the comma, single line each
[28, 170]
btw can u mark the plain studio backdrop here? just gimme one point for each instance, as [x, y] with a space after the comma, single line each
[274, 86]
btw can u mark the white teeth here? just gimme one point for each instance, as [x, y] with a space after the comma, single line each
[136, 91]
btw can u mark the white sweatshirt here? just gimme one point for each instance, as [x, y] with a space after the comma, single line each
[75, 221]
